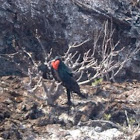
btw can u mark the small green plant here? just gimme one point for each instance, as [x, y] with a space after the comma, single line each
[97, 82]
[131, 121]
[107, 116]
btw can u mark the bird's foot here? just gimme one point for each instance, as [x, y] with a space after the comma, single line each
[69, 103]
[84, 96]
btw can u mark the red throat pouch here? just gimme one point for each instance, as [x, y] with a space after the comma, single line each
[55, 64]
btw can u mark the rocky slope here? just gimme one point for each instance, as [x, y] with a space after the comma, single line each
[64, 22]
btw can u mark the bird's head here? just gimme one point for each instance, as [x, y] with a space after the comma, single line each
[55, 62]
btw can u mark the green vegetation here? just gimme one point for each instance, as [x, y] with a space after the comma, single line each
[97, 82]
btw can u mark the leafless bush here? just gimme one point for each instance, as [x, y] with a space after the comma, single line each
[100, 59]
[35, 85]
[96, 62]
[89, 64]
[50, 91]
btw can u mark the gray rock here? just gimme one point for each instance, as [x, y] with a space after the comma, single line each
[61, 23]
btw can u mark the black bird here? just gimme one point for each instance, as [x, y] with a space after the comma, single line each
[63, 74]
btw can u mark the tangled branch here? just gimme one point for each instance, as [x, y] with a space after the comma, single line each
[100, 60]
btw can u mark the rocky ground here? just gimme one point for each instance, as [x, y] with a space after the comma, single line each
[61, 23]
[111, 112]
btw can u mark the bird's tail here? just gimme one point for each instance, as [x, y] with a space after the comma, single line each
[82, 95]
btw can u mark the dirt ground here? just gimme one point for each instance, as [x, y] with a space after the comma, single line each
[109, 105]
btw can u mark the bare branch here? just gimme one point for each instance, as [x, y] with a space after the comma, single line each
[104, 63]
[43, 48]
[75, 46]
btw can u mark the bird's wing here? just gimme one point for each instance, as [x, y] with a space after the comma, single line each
[67, 70]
